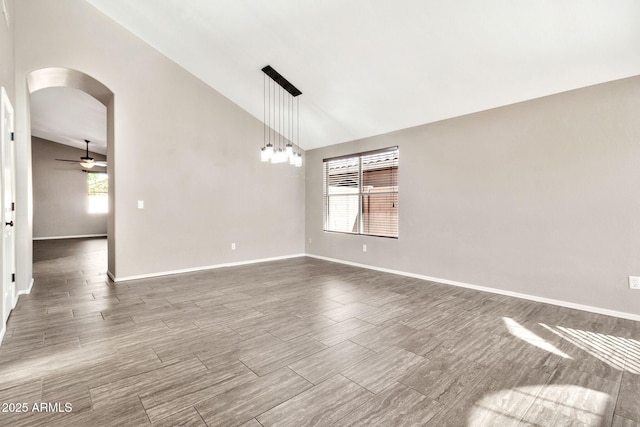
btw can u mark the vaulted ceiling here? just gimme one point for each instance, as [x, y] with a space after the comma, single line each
[367, 67]
[69, 116]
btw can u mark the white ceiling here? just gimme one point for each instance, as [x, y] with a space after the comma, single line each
[367, 67]
[69, 116]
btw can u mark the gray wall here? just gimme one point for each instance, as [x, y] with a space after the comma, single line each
[539, 198]
[60, 198]
[187, 151]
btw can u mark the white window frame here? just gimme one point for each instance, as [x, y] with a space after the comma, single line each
[351, 221]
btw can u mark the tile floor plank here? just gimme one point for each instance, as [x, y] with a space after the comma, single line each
[383, 336]
[628, 405]
[341, 331]
[186, 418]
[285, 354]
[247, 401]
[321, 405]
[326, 363]
[382, 370]
[398, 405]
[223, 377]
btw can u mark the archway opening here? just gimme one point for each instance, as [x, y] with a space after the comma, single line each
[68, 78]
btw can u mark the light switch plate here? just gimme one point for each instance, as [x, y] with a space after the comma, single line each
[140, 204]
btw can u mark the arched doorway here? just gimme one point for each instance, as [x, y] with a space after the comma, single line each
[69, 78]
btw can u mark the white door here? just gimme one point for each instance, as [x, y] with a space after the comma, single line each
[7, 180]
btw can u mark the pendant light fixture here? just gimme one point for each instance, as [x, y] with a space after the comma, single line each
[281, 118]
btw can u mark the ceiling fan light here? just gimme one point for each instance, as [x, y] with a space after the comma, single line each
[87, 164]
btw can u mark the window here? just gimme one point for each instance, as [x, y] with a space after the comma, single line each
[361, 193]
[98, 191]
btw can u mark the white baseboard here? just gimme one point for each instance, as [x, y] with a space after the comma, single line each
[83, 236]
[27, 291]
[194, 269]
[591, 309]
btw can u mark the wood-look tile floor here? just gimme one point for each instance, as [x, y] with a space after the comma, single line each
[302, 342]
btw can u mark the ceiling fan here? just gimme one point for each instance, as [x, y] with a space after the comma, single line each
[86, 161]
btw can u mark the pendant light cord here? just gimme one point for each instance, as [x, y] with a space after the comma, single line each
[264, 111]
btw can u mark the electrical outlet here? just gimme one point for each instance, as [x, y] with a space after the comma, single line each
[634, 282]
[140, 204]
[364, 248]
[233, 246]
[309, 239]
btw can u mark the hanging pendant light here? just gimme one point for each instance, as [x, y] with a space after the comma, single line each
[288, 149]
[283, 120]
[265, 155]
[298, 159]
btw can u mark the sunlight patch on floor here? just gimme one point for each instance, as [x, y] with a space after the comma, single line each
[552, 404]
[519, 331]
[618, 352]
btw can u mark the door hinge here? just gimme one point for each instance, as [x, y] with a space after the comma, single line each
[13, 277]
[13, 206]
[13, 135]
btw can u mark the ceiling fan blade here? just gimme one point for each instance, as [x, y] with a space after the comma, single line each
[86, 161]
[65, 160]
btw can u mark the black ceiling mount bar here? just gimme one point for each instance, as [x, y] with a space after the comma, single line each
[277, 77]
